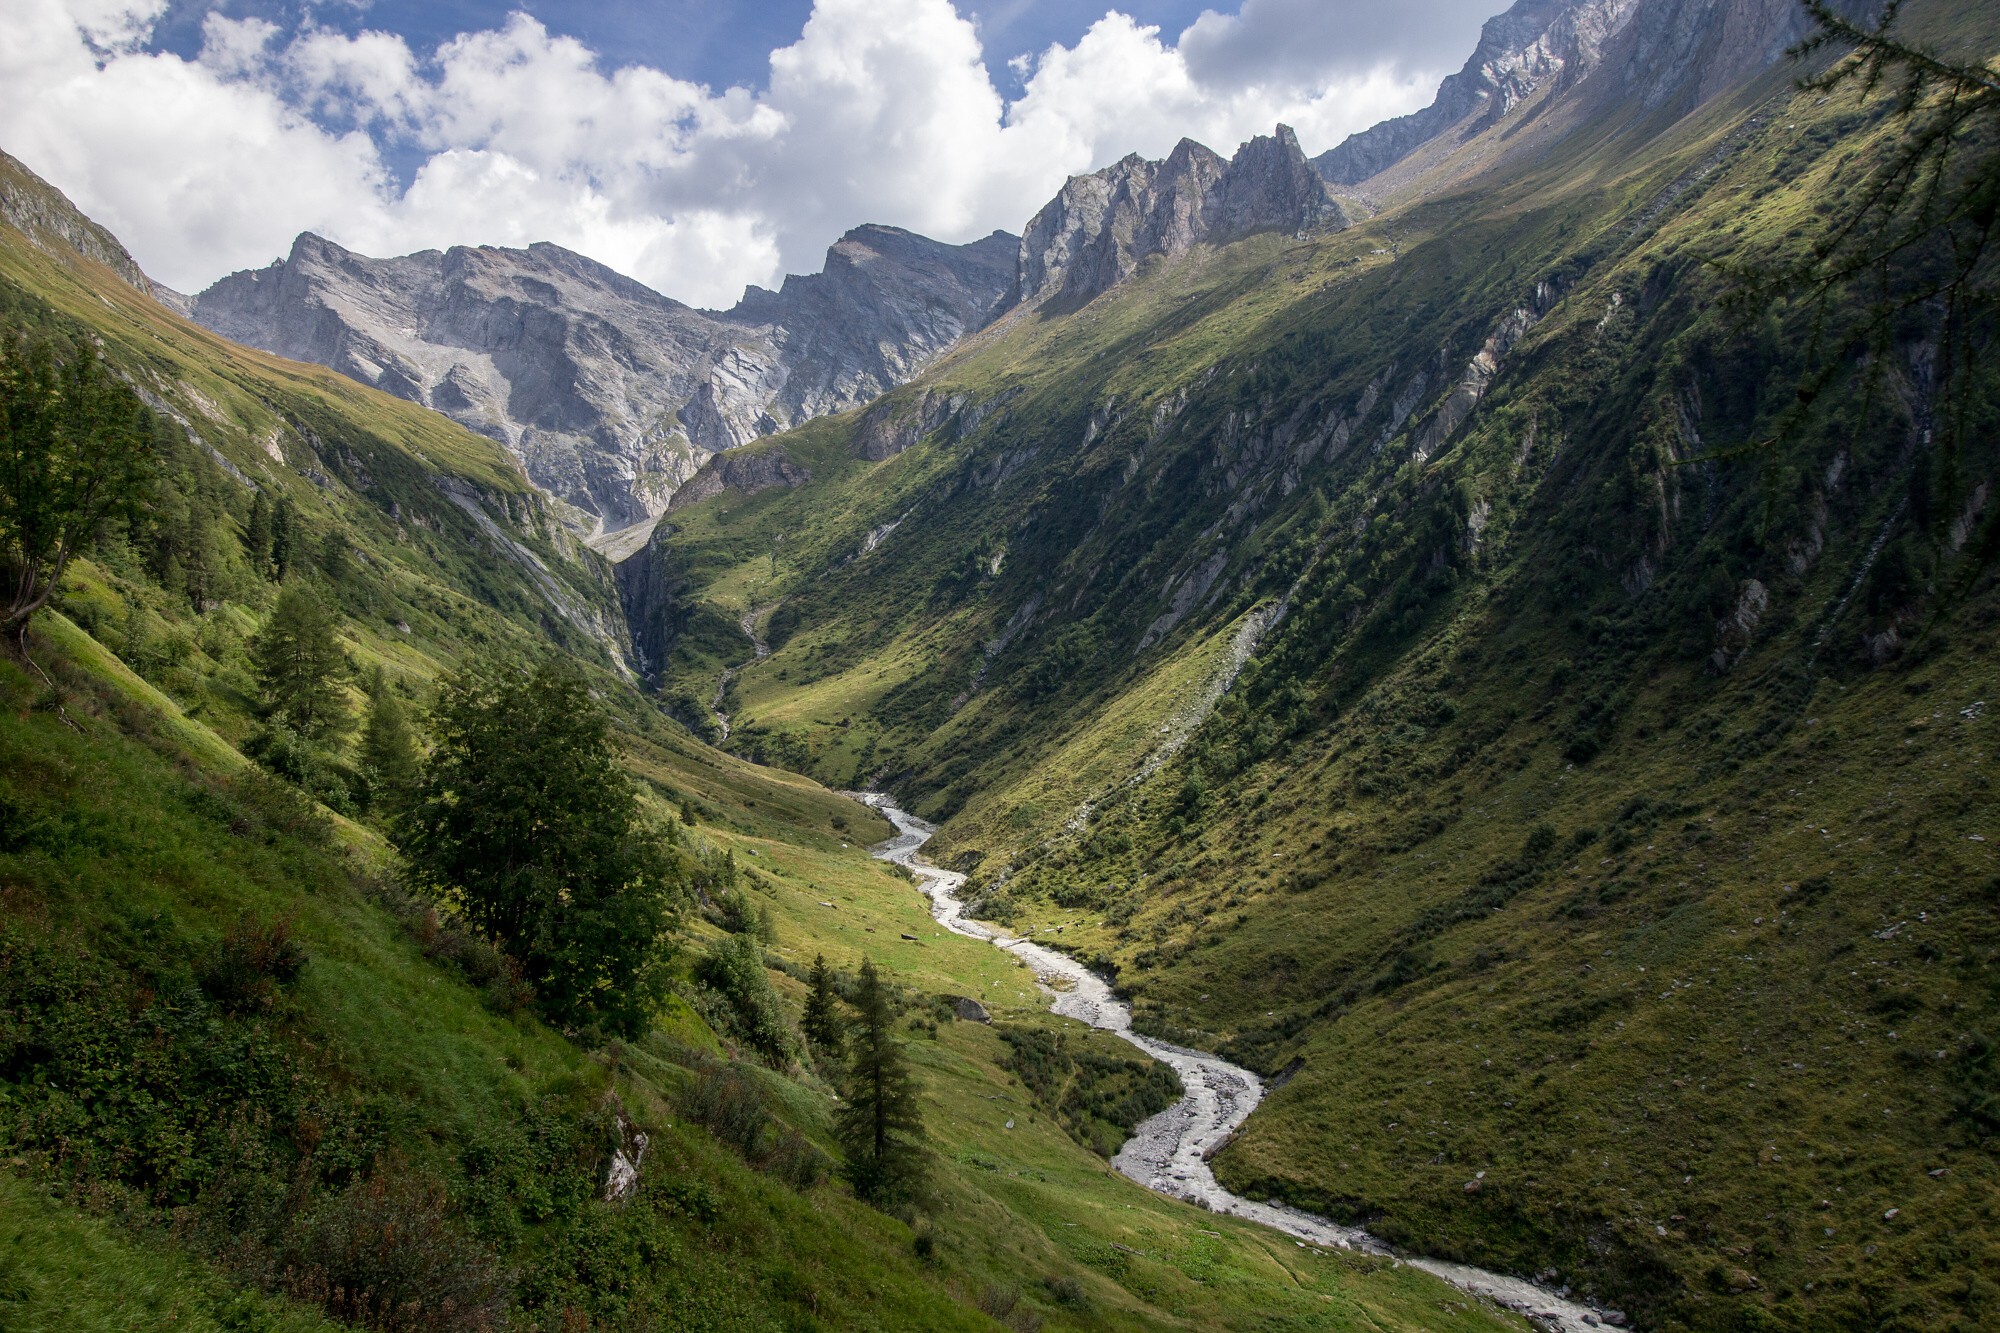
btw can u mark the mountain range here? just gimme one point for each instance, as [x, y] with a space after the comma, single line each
[1452, 627]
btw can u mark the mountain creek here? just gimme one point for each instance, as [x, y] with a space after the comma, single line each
[1169, 1152]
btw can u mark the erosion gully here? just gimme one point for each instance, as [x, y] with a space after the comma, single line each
[1169, 1153]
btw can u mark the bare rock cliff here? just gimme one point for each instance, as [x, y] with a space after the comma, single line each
[1519, 52]
[610, 394]
[1098, 230]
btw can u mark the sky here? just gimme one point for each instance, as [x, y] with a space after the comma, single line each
[697, 145]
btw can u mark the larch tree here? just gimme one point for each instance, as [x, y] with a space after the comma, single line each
[821, 1021]
[881, 1126]
[75, 450]
[299, 663]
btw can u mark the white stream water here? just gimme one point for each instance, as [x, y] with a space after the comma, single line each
[1169, 1153]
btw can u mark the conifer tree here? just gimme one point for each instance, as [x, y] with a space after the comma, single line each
[75, 449]
[257, 535]
[298, 661]
[881, 1127]
[821, 1021]
[284, 535]
[389, 748]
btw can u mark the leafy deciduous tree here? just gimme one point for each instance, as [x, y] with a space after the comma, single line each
[524, 818]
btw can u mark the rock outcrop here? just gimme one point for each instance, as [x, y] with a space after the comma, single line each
[1519, 52]
[1618, 55]
[1098, 230]
[610, 394]
[746, 473]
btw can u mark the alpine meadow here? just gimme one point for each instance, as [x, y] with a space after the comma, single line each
[1392, 733]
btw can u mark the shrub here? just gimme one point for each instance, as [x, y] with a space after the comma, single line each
[251, 963]
[384, 1253]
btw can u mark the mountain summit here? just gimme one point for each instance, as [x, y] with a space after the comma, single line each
[1097, 231]
[609, 393]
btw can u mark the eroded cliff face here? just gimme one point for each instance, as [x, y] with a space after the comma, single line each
[1519, 52]
[1620, 56]
[1098, 230]
[610, 394]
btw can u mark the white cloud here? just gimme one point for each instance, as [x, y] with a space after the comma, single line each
[881, 111]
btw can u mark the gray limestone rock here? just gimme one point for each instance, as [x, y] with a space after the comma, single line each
[612, 395]
[1518, 52]
[1098, 230]
[745, 472]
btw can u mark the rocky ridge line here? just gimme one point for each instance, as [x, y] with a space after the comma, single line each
[1100, 227]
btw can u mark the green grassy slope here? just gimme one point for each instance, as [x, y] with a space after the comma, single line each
[246, 1083]
[132, 1082]
[1605, 813]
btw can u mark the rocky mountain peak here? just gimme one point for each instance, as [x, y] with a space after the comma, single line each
[1519, 52]
[1098, 230]
[611, 394]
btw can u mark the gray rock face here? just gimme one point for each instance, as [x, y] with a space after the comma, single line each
[1680, 53]
[1101, 227]
[1518, 52]
[746, 473]
[610, 394]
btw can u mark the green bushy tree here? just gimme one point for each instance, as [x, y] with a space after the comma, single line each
[299, 663]
[524, 819]
[734, 969]
[76, 449]
[881, 1126]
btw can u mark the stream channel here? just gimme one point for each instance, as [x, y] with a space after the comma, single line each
[1169, 1153]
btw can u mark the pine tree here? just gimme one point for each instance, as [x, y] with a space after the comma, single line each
[298, 661]
[389, 748]
[75, 450]
[284, 525]
[881, 1127]
[821, 1021]
[257, 535]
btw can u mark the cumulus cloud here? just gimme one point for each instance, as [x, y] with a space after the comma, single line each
[881, 111]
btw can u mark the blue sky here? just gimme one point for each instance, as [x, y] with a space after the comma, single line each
[717, 42]
[697, 146]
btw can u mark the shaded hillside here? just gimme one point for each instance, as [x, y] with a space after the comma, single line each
[1447, 665]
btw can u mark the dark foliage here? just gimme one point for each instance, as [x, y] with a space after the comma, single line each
[881, 1125]
[525, 820]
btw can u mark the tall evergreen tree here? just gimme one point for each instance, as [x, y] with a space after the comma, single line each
[257, 534]
[284, 536]
[75, 449]
[821, 1020]
[881, 1127]
[298, 661]
[389, 749]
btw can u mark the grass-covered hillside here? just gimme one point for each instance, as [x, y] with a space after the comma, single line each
[251, 1078]
[1591, 834]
